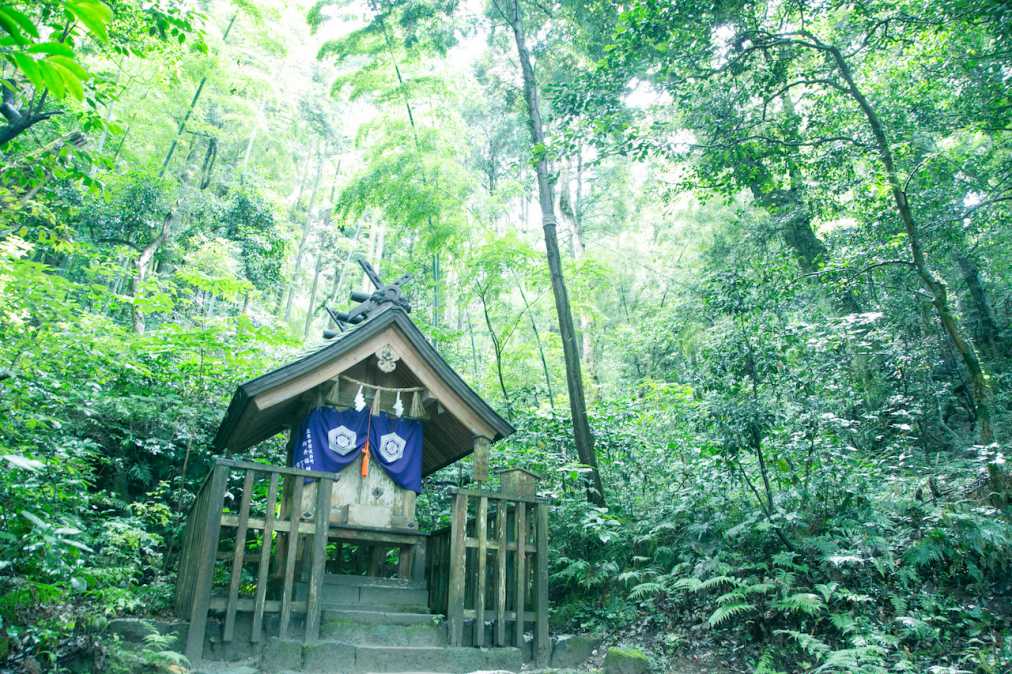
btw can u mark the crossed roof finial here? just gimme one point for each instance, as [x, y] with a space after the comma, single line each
[385, 293]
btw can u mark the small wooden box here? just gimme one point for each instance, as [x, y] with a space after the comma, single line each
[519, 482]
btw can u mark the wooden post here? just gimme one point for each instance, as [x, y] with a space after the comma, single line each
[237, 559]
[455, 600]
[521, 572]
[265, 559]
[500, 573]
[542, 645]
[479, 601]
[205, 565]
[294, 518]
[318, 558]
[480, 459]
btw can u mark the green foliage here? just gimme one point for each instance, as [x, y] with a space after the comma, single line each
[786, 430]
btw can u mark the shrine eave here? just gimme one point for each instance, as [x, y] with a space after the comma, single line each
[266, 405]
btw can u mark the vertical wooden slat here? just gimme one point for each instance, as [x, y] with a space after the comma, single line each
[500, 573]
[479, 606]
[290, 554]
[265, 559]
[521, 571]
[377, 555]
[237, 558]
[318, 559]
[207, 553]
[455, 599]
[541, 640]
[405, 556]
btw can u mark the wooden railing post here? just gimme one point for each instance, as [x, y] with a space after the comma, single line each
[288, 586]
[481, 530]
[206, 555]
[542, 645]
[521, 573]
[500, 572]
[238, 557]
[265, 559]
[458, 557]
[318, 558]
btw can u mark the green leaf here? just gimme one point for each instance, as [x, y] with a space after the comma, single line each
[52, 78]
[57, 48]
[17, 24]
[23, 462]
[78, 545]
[70, 80]
[71, 65]
[95, 15]
[34, 519]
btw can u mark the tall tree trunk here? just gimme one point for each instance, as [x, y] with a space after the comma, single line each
[930, 280]
[990, 333]
[414, 133]
[193, 105]
[541, 347]
[307, 228]
[143, 265]
[474, 347]
[578, 407]
[497, 349]
[312, 292]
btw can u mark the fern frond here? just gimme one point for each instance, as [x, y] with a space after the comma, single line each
[689, 583]
[728, 611]
[801, 602]
[644, 590]
[627, 576]
[808, 643]
[717, 581]
[843, 621]
[827, 590]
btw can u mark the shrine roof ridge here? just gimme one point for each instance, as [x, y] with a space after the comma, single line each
[381, 318]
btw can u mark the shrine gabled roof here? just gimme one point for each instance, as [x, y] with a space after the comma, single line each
[270, 403]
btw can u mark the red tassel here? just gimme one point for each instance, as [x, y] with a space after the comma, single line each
[365, 459]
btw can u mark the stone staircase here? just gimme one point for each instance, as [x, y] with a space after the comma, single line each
[368, 624]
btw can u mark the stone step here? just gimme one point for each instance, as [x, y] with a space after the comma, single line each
[372, 596]
[344, 579]
[380, 617]
[379, 634]
[339, 657]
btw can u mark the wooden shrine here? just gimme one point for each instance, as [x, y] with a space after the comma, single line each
[262, 541]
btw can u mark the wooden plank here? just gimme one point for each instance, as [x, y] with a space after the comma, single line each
[237, 558]
[479, 606]
[500, 574]
[529, 616]
[290, 555]
[265, 559]
[521, 572]
[208, 550]
[318, 559]
[542, 642]
[496, 497]
[265, 468]
[455, 594]
[510, 547]
[246, 604]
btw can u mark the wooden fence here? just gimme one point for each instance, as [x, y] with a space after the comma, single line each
[276, 531]
[490, 567]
